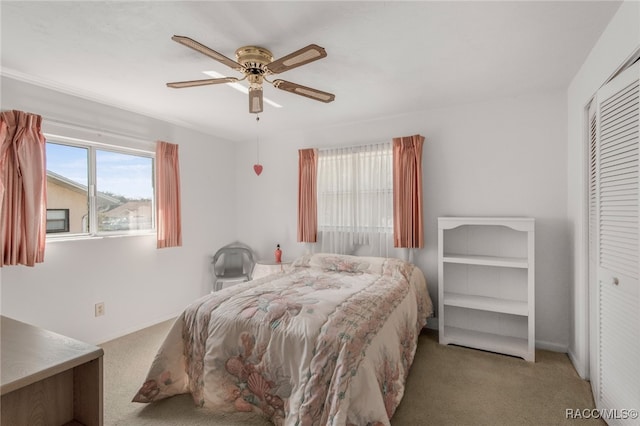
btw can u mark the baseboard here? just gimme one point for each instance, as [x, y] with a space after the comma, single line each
[550, 346]
[577, 364]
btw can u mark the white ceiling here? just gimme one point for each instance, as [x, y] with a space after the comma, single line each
[384, 58]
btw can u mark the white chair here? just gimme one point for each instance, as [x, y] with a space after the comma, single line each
[232, 263]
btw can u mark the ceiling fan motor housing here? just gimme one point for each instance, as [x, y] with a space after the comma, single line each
[254, 59]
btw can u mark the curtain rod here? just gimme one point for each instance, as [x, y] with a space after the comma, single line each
[359, 144]
[351, 145]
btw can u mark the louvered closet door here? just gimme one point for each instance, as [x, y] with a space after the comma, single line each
[618, 250]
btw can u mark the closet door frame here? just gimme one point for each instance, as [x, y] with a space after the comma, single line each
[600, 276]
[592, 243]
[583, 300]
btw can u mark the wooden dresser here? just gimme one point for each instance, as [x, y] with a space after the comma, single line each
[47, 378]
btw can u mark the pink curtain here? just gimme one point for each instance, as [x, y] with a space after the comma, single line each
[23, 186]
[307, 198]
[408, 230]
[169, 221]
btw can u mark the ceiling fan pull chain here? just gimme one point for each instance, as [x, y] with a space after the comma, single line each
[257, 140]
[257, 168]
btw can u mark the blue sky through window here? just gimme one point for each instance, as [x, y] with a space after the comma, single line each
[124, 174]
[68, 161]
[117, 173]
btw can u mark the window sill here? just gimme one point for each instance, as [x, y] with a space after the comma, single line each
[98, 237]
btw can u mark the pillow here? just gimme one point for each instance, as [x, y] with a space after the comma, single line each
[341, 263]
[347, 264]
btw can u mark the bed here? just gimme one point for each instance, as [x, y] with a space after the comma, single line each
[330, 342]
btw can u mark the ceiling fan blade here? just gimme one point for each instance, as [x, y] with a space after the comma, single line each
[255, 100]
[186, 41]
[309, 92]
[193, 83]
[300, 57]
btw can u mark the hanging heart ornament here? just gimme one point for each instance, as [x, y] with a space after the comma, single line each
[257, 168]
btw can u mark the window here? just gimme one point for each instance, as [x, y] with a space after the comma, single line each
[57, 220]
[102, 189]
[355, 197]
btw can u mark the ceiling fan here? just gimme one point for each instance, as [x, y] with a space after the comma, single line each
[256, 63]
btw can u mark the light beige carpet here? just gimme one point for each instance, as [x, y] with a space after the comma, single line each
[447, 385]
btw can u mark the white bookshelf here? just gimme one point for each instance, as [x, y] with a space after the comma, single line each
[486, 292]
[507, 262]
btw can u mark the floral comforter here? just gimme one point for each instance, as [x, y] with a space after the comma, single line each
[328, 343]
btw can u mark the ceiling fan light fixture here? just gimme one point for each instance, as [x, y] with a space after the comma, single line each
[255, 100]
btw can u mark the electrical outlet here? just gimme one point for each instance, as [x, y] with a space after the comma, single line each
[99, 309]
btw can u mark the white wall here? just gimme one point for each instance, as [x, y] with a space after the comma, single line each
[139, 284]
[618, 42]
[502, 157]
